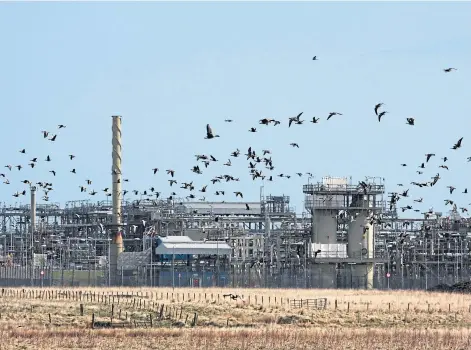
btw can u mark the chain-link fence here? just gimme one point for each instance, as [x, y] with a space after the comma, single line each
[314, 276]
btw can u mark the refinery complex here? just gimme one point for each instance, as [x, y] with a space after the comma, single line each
[333, 243]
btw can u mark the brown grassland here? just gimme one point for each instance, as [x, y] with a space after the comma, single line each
[162, 318]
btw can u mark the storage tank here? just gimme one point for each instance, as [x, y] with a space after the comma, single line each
[324, 227]
[357, 240]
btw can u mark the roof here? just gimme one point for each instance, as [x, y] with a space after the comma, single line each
[194, 248]
[220, 208]
[175, 239]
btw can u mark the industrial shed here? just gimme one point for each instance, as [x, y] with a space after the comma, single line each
[184, 245]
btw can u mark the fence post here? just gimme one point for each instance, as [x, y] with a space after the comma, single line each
[195, 319]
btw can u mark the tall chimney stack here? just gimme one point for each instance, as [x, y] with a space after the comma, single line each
[116, 246]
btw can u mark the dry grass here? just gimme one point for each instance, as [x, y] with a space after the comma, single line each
[270, 338]
[375, 319]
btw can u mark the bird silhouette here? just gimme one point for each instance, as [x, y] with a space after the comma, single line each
[209, 132]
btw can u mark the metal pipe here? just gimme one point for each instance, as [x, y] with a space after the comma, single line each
[33, 215]
[33, 227]
[117, 239]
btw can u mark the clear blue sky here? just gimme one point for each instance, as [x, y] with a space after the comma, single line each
[169, 69]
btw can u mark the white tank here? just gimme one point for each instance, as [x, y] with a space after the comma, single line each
[325, 227]
[356, 239]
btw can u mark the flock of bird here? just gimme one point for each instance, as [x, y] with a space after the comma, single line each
[260, 166]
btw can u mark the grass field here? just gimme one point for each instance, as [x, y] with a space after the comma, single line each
[202, 319]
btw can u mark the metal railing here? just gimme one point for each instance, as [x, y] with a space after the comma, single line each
[341, 204]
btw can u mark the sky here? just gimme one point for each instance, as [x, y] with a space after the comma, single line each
[170, 68]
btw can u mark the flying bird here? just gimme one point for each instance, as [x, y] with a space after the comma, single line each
[381, 115]
[294, 119]
[265, 121]
[209, 133]
[331, 114]
[457, 144]
[429, 155]
[378, 106]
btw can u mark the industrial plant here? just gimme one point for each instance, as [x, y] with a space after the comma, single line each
[333, 243]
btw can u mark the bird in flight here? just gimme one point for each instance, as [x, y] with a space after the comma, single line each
[265, 121]
[331, 114]
[457, 144]
[378, 106]
[429, 155]
[448, 70]
[209, 133]
[381, 115]
[294, 119]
